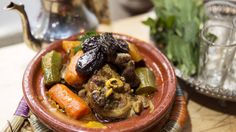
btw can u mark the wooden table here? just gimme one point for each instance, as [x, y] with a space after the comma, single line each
[206, 114]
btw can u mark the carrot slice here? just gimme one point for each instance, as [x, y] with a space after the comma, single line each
[74, 106]
[71, 76]
[68, 45]
[133, 51]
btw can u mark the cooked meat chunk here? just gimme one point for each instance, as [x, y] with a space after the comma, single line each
[122, 59]
[104, 97]
[144, 100]
[130, 75]
[139, 103]
[137, 106]
[82, 93]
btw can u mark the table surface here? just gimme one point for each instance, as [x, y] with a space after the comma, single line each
[206, 114]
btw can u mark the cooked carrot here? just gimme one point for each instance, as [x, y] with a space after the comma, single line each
[133, 51]
[71, 76]
[74, 106]
[71, 47]
[68, 45]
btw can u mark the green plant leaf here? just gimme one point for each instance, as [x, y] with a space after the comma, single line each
[152, 24]
[77, 48]
[177, 26]
[87, 35]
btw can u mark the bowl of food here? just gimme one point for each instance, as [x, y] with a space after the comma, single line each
[99, 82]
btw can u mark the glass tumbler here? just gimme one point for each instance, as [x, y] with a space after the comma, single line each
[230, 81]
[217, 50]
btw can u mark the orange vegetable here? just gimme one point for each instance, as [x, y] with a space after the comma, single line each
[133, 51]
[68, 45]
[74, 106]
[71, 76]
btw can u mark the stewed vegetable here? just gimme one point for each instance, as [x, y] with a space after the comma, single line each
[101, 79]
[51, 65]
[74, 106]
[147, 78]
[70, 75]
[133, 51]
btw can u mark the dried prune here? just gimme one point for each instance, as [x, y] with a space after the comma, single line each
[122, 46]
[107, 43]
[90, 61]
[96, 48]
[91, 43]
[130, 75]
[112, 45]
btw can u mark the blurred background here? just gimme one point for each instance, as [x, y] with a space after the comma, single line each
[11, 28]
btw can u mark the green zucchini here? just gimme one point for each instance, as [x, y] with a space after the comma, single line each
[51, 65]
[147, 78]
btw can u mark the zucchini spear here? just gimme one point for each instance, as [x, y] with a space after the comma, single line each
[51, 65]
[147, 78]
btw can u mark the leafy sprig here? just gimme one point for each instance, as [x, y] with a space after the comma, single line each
[86, 35]
[177, 26]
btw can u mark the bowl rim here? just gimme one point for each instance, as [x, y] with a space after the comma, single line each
[54, 124]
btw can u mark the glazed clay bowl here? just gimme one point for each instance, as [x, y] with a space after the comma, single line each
[35, 92]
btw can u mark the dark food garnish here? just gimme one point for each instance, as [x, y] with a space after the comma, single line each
[90, 61]
[130, 75]
[96, 49]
